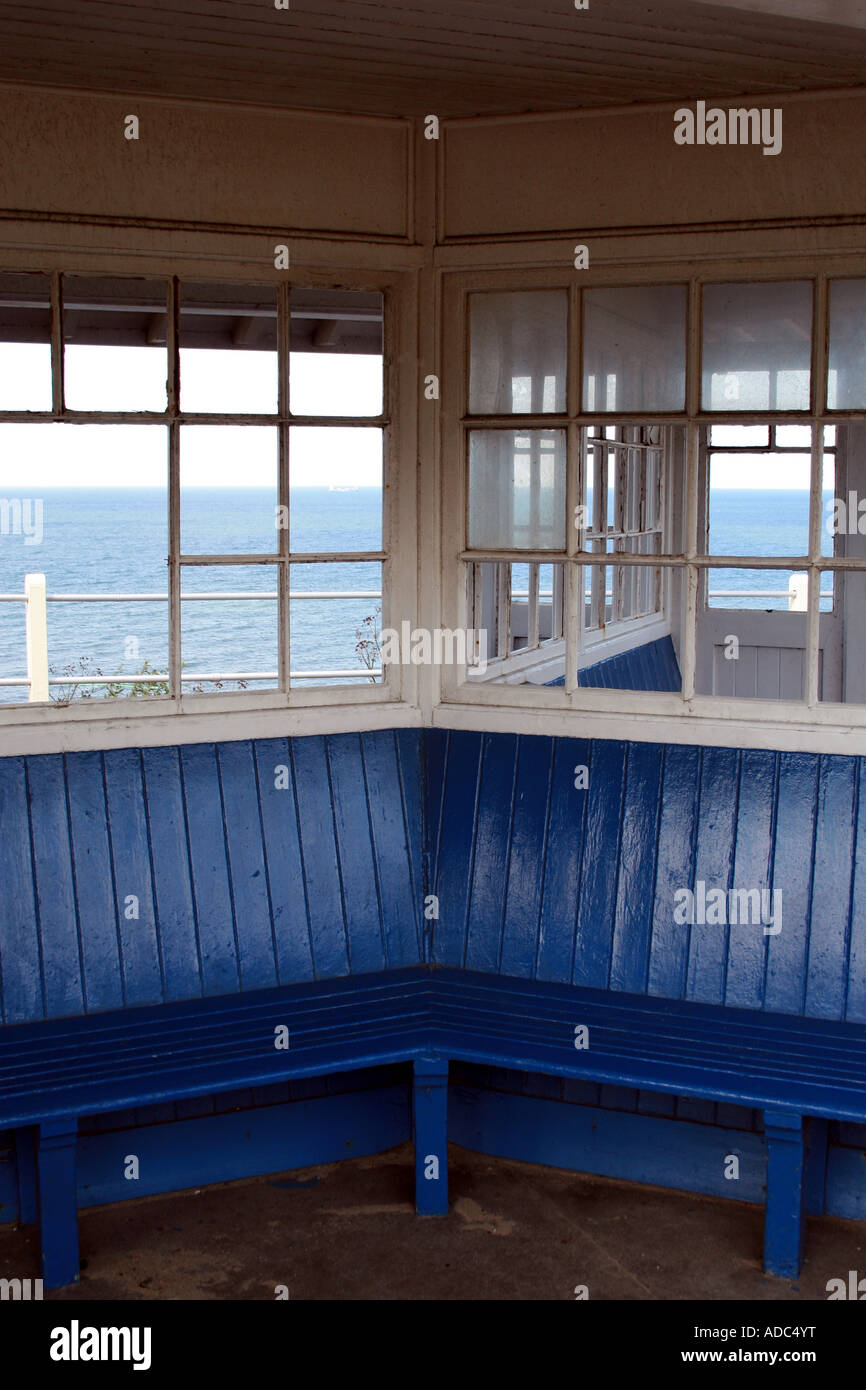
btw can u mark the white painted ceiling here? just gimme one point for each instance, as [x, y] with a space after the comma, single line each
[452, 57]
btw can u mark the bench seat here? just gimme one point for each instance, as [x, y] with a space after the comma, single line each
[789, 1067]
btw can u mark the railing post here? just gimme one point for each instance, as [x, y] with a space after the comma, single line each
[798, 592]
[36, 625]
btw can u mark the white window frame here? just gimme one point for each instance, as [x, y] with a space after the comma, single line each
[198, 717]
[677, 718]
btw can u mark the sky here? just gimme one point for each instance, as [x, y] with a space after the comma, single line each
[63, 455]
[36, 456]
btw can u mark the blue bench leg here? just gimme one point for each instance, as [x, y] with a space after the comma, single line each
[430, 1107]
[58, 1202]
[783, 1222]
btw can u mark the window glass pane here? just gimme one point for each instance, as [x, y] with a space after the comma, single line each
[114, 336]
[846, 376]
[228, 349]
[518, 352]
[516, 632]
[517, 489]
[335, 488]
[842, 636]
[757, 346]
[336, 623]
[740, 436]
[229, 628]
[634, 349]
[756, 655]
[336, 361]
[759, 505]
[228, 489]
[25, 342]
[67, 512]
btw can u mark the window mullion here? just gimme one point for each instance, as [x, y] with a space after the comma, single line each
[283, 487]
[58, 395]
[174, 604]
[572, 598]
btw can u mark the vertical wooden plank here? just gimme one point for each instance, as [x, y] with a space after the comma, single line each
[209, 866]
[831, 888]
[745, 670]
[717, 820]
[55, 894]
[595, 916]
[400, 888]
[562, 868]
[20, 963]
[410, 768]
[319, 857]
[753, 866]
[435, 755]
[130, 854]
[462, 781]
[855, 1008]
[768, 673]
[790, 674]
[723, 673]
[529, 840]
[246, 857]
[669, 947]
[632, 934]
[94, 890]
[490, 867]
[285, 873]
[355, 845]
[175, 915]
[788, 953]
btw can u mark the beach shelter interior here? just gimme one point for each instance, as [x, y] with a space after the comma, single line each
[432, 601]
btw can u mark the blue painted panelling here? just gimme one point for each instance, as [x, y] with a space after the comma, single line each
[540, 879]
[140, 877]
[194, 1151]
[615, 1144]
[652, 666]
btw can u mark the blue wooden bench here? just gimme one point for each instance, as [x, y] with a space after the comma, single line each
[52, 1074]
[307, 917]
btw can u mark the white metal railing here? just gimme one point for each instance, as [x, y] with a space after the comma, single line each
[36, 598]
[38, 680]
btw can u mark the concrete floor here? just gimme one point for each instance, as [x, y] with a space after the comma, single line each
[515, 1231]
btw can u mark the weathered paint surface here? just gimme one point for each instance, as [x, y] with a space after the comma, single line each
[543, 879]
[245, 876]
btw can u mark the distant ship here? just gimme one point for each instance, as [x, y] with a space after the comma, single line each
[343, 489]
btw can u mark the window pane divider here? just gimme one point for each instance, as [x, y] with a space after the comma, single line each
[57, 364]
[284, 606]
[175, 658]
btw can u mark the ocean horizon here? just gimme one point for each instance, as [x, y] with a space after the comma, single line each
[98, 540]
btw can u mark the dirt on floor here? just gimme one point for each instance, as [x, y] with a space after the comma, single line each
[515, 1231]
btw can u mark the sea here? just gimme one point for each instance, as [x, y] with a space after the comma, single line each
[101, 541]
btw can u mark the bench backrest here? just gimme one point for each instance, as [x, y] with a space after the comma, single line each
[141, 876]
[539, 878]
